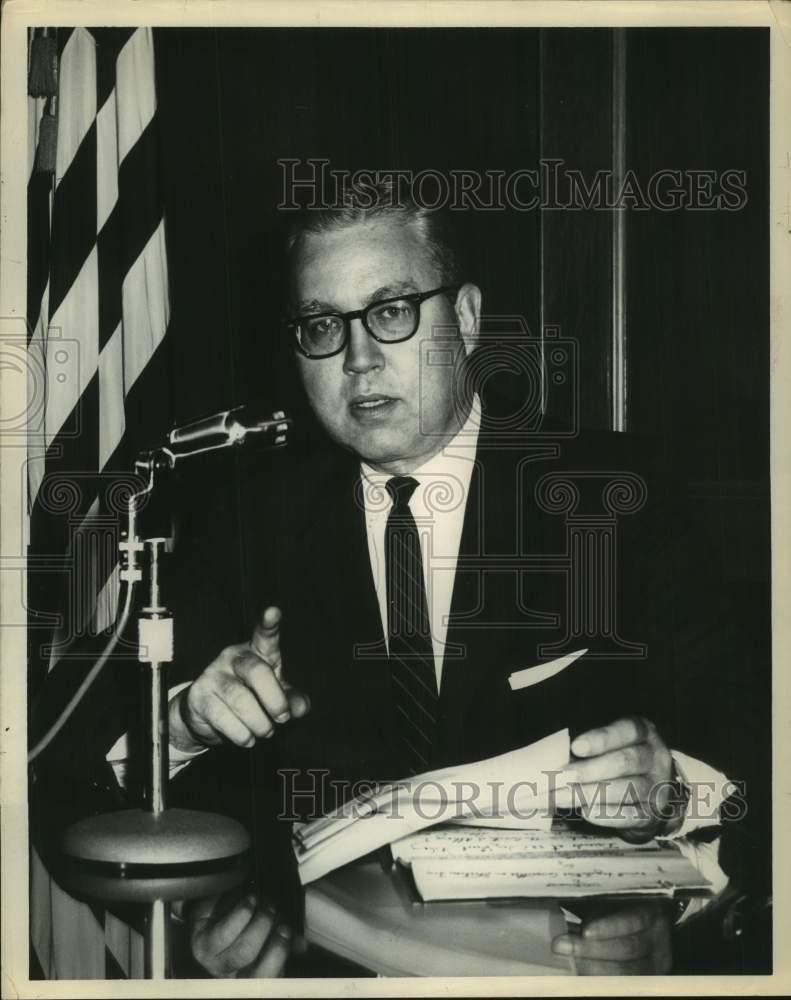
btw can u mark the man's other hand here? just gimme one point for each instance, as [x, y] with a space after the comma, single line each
[621, 777]
[239, 698]
[245, 938]
[621, 939]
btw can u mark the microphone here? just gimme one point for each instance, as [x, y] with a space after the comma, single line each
[226, 429]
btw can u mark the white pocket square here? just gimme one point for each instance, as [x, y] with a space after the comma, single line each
[534, 675]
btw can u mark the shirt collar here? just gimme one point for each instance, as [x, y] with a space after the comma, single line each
[453, 462]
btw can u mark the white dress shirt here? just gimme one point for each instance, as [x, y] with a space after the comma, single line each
[438, 505]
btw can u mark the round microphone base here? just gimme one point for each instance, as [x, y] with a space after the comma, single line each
[137, 856]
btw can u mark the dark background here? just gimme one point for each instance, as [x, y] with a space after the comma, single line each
[234, 102]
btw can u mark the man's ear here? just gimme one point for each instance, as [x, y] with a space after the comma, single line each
[468, 314]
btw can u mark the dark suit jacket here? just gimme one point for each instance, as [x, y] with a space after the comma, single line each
[292, 533]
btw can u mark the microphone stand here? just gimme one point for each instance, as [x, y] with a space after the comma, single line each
[156, 855]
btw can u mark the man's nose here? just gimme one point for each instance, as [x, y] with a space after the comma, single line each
[363, 354]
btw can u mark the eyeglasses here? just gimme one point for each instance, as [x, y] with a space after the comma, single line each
[388, 321]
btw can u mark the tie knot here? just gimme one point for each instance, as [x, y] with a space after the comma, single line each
[401, 489]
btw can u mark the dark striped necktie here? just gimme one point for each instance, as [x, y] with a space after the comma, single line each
[409, 633]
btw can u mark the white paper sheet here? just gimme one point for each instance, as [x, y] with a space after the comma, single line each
[519, 780]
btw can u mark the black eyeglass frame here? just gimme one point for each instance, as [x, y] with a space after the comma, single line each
[416, 298]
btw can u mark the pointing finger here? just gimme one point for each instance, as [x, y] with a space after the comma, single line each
[281, 701]
[265, 641]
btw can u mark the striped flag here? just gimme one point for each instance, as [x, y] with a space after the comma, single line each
[98, 313]
[98, 316]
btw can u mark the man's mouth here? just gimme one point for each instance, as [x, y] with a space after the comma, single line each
[371, 404]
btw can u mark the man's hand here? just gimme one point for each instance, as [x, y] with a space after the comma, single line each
[621, 777]
[240, 937]
[621, 939]
[240, 697]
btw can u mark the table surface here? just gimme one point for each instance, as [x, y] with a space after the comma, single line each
[373, 916]
[367, 919]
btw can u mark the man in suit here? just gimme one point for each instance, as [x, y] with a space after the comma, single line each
[391, 583]
[338, 676]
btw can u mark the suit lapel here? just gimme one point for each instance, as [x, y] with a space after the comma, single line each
[479, 597]
[344, 596]
[494, 616]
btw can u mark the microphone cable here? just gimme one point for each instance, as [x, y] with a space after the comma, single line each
[90, 677]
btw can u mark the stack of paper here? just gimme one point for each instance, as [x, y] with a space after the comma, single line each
[451, 843]
[515, 784]
[482, 864]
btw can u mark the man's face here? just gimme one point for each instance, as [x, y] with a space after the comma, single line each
[373, 398]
